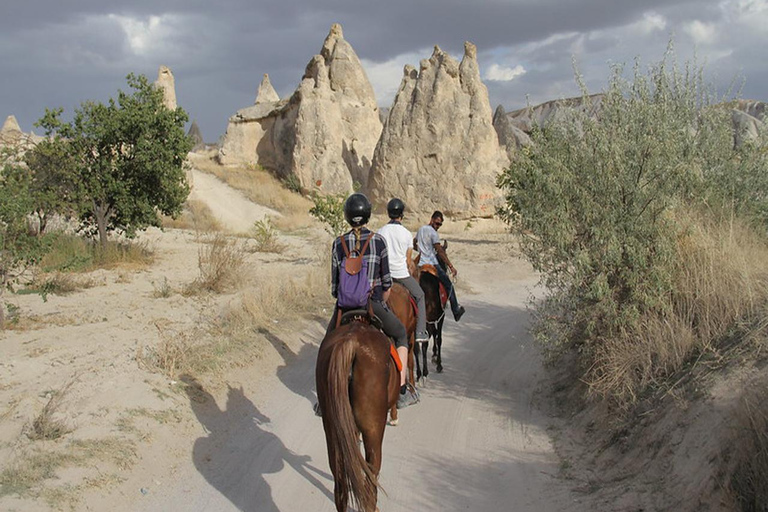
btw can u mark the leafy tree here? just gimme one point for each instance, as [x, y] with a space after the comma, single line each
[18, 247]
[129, 158]
[53, 187]
[593, 198]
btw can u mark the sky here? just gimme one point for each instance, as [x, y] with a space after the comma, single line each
[59, 53]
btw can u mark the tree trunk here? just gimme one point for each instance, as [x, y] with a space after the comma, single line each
[102, 213]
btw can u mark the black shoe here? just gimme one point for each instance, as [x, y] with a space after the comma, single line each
[459, 313]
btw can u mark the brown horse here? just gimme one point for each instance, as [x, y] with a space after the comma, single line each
[357, 383]
[435, 318]
[400, 303]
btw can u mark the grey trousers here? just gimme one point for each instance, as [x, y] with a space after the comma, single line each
[391, 325]
[418, 294]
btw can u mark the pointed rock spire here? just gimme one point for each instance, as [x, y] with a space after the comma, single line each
[167, 83]
[438, 149]
[10, 125]
[266, 93]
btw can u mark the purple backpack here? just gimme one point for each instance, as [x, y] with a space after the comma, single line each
[354, 288]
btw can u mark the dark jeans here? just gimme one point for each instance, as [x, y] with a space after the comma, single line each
[449, 288]
[391, 325]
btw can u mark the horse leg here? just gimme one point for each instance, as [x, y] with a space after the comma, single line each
[393, 416]
[417, 354]
[426, 368]
[411, 348]
[372, 440]
[439, 347]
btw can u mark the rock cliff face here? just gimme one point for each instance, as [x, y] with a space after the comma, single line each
[526, 118]
[510, 136]
[324, 134]
[439, 149]
[166, 82]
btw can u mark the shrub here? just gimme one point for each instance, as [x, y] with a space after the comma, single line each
[220, 263]
[597, 204]
[265, 236]
[329, 209]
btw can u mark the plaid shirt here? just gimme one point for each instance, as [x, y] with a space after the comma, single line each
[376, 258]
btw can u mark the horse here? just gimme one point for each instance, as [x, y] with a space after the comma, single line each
[435, 317]
[400, 303]
[357, 383]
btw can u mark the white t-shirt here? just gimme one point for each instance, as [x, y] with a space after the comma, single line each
[399, 240]
[427, 237]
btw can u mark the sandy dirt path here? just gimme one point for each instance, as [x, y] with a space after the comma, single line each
[477, 441]
[230, 207]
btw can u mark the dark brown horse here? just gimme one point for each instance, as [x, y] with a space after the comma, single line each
[435, 318]
[357, 383]
[400, 303]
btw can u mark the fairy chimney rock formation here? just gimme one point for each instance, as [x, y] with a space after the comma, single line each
[324, 134]
[166, 82]
[439, 149]
[266, 93]
[196, 136]
[11, 132]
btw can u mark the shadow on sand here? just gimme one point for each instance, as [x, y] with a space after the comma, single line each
[239, 450]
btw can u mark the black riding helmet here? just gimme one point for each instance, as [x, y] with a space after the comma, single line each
[357, 209]
[395, 208]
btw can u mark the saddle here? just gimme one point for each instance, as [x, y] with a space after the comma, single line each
[431, 269]
[366, 316]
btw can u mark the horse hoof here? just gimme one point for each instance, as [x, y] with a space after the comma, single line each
[439, 369]
[393, 423]
[434, 359]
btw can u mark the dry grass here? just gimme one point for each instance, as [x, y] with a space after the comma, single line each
[162, 290]
[721, 286]
[261, 187]
[233, 337]
[46, 425]
[221, 263]
[71, 253]
[25, 475]
[196, 216]
[747, 454]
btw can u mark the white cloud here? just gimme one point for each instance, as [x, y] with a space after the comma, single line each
[385, 77]
[700, 32]
[504, 74]
[751, 13]
[147, 35]
[651, 22]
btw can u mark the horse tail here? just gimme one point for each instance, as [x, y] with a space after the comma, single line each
[353, 468]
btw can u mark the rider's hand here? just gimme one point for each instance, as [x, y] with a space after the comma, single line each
[453, 270]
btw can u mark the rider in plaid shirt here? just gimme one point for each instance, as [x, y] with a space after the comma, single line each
[357, 210]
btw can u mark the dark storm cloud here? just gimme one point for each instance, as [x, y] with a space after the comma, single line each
[57, 53]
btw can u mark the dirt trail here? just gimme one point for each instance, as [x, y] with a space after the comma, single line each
[230, 207]
[476, 441]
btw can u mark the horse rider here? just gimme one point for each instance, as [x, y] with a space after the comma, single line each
[399, 241]
[430, 246]
[357, 211]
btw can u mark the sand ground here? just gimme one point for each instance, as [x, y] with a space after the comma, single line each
[246, 438]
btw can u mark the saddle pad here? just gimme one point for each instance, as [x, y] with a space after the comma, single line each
[395, 357]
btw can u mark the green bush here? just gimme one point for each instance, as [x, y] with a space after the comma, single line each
[594, 201]
[329, 209]
[265, 236]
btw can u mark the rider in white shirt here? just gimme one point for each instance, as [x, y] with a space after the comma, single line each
[399, 241]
